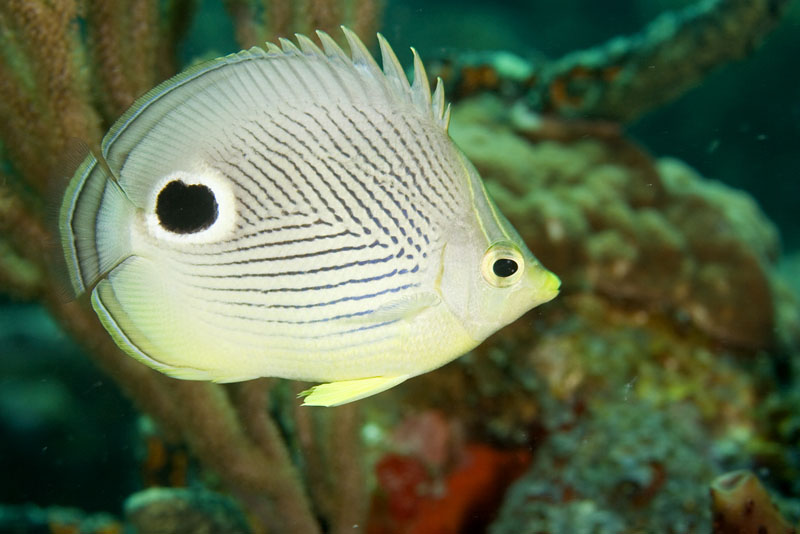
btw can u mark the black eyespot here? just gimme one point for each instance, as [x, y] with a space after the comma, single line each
[504, 267]
[186, 209]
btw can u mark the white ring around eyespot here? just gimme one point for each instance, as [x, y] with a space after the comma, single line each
[226, 208]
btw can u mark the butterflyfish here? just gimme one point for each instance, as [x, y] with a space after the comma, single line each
[294, 212]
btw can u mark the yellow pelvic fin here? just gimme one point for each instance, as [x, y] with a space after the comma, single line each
[344, 391]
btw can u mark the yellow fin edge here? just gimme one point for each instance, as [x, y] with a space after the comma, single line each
[344, 391]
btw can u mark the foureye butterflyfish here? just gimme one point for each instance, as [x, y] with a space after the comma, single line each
[294, 212]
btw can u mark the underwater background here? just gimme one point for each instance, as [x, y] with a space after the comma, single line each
[648, 153]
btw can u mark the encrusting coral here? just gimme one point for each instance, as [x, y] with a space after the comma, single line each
[607, 218]
[652, 351]
[625, 467]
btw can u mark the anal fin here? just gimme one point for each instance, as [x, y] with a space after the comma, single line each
[344, 391]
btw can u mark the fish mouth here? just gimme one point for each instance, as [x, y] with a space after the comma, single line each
[545, 284]
[551, 286]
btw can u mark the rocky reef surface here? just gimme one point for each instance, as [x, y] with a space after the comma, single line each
[653, 371]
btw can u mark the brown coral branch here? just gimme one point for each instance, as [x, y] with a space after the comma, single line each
[626, 77]
[324, 15]
[244, 18]
[629, 76]
[105, 21]
[54, 107]
[313, 453]
[131, 52]
[45, 101]
[212, 429]
[278, 18]
[142, 43]
[366, 18]
[346, 470]
[19, 277]
[175, 23]
[255, 467]
[24, 241]
[45, 27]
[252, 405]
[330, 444]
[22, 120]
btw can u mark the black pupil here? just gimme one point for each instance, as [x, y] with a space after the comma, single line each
[504, 267]
[186, 209]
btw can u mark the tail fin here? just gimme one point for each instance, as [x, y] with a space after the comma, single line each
[94, 223]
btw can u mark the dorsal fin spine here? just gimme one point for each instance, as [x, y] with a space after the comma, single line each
[392, 73]
[288, 46]
[307, 46]
[438, 100]
[421, 89]
[359, 53]
[392, 68]
[331, 48]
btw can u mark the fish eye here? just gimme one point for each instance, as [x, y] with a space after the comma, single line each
[504, 267]
[502, 264]
[186, 209]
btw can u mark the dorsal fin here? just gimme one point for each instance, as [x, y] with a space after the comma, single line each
[438, 100]
[288, 46]
[419, 92]
[272, 48]
[392, 75]
[391, 67]
[331, 48]
[421, 88]
[307, 46]
[185, 117]
[359, 54]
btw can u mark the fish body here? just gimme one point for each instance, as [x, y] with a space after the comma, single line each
[299, 213]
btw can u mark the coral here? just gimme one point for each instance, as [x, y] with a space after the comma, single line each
[183, 511]
[629, 75]
[635, 244]
[741, 504]
[267, 20]
[605, 217]
[625, 467]
[67, 70]
[654, 369]
[646, 377]
[619, 412]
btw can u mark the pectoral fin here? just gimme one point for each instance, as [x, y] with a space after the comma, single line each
[344, 391]
[403, 308]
